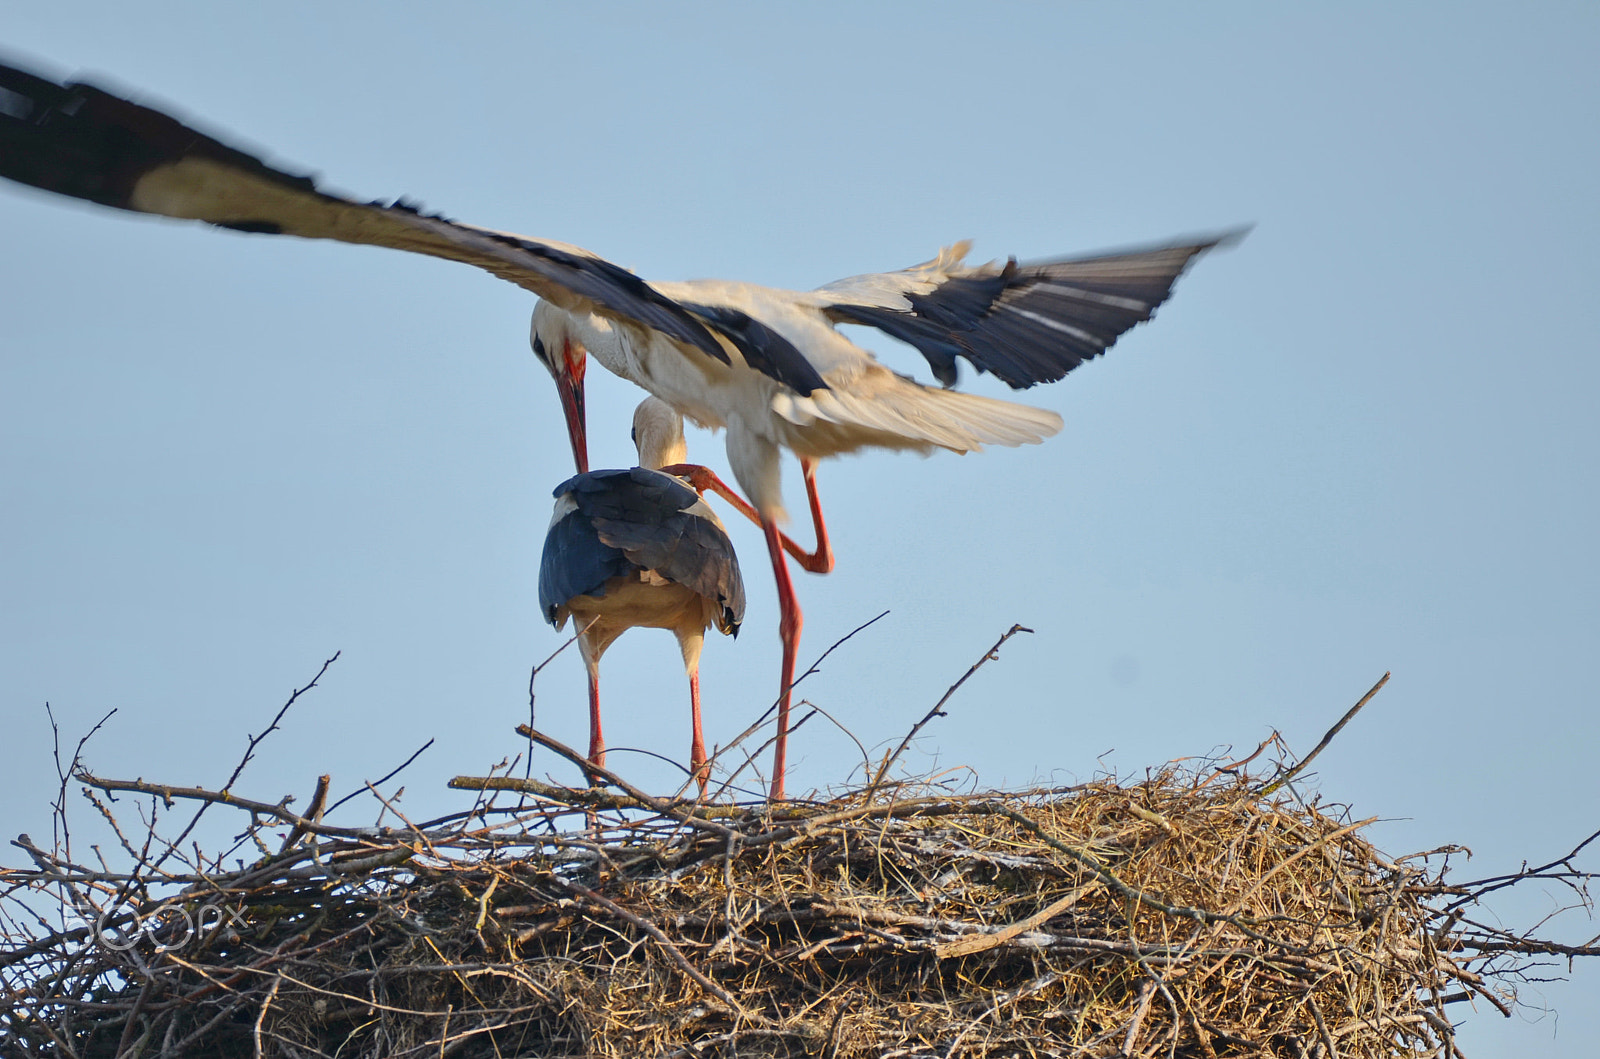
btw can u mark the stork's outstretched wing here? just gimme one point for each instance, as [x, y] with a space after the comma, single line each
[78, 140]
[1027, 323]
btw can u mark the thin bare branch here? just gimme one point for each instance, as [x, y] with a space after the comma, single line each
[1326, 739]
[992, 654]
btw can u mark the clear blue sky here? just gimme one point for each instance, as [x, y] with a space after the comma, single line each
[1364, 440]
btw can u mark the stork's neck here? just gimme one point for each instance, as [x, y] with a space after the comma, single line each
[658, 433]
[686, 379]
[607, 344]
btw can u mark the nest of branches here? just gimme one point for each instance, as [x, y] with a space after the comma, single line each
[1198, 911]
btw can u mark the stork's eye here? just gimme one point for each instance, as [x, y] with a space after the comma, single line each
[538, 349]
[634, 435]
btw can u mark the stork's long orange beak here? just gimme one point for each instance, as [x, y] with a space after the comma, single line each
[569, 383]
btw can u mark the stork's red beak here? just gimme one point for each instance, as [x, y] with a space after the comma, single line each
[569, 382]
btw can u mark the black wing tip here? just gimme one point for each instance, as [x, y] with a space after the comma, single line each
[1231, 237]
[32, 74]
[1048, 332]
[1198, 243]
[1226, 239]
[1218, 239]
[88, 137]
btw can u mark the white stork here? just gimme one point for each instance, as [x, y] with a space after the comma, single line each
[768, 365]
[640, 549]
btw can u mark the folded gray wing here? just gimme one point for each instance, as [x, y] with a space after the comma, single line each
[1025, 323]
[575, 561]
[78, 140]
[645, 520]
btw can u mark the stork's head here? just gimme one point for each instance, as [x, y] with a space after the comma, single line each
[658, 434]
[557, 348]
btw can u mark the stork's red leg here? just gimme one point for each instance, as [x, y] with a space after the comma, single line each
[703, 478]
[597, 742]
[697, 748]
[790, 620]
[789, 623]
[819, 561]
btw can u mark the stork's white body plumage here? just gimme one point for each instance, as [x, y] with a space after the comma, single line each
[767, 365]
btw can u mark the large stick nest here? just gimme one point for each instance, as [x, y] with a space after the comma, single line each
[1186, 914]
[1200, 911]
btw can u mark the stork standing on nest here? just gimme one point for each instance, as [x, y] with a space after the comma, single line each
[767, 365]
[640, 549]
